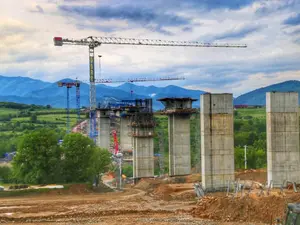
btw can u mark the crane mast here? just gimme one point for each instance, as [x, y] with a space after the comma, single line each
[93, 42]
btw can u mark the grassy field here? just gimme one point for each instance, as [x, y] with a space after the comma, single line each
[5, 111]
[256, 113]
[14, 122]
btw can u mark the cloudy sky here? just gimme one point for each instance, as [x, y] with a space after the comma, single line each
[270, 28]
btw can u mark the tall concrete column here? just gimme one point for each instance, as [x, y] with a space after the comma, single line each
[178, 111]
[179, 145]
[125, 137]
[217, 143]
[143, 152]
[283, 155]
[103, 140]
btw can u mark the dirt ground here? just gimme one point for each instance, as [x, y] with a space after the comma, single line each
[133, 206]
[259, 175]
[151, 201]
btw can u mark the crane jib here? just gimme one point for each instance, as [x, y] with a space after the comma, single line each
[96, 41]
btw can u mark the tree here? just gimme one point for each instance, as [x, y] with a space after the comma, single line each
[38, 158]
[239, 157]
[128, 170]
[5, 174]
[33, 118]
[100, 162]
[80, 158]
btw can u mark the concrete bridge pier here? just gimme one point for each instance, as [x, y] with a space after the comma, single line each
[217, 142]
[283, 155]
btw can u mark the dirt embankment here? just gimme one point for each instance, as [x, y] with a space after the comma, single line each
[244, 209]
[166, 190]
[258, 175]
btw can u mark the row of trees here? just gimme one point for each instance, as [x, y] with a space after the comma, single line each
[248, 131]
[20, 106]
[40, 159]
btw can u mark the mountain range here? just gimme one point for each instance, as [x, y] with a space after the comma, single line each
[31, 91]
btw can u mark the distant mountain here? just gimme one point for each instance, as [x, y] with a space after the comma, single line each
[32, 91]
[161, 92]
[43, 93]
[258, 96]
[20, 86]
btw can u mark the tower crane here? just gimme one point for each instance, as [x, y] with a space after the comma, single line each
[134, 80]
[93, 42]
[69, 85]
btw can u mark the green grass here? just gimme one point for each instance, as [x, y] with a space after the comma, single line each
[50, 118]
[56, 117]
[256, 113]
[5, 111]
[21, 119]
[25, 192]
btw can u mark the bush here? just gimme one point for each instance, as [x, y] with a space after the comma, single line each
[5, 174]
[127, 169]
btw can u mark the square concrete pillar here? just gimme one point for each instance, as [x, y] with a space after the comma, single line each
[103, 140]
[125, 131]
[283, 156]
[179, 111]
[179, 145]
[217, 141]
[143, 153]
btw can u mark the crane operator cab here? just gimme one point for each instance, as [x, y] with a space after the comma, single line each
[292, 214]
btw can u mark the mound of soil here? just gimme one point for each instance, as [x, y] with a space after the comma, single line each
[163, 192]
[259, 175]
[245, 209]
[169, 192]
[185, 195]
[102, 188]
[193, 178]
[147, 184]
[72, 189]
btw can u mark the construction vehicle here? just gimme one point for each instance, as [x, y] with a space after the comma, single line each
[292, 216]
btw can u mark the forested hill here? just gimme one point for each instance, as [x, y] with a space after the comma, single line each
[37, 92]
[30, 91]
[258, 96]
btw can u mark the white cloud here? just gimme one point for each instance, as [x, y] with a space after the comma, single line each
[26, 48]
[252, 82]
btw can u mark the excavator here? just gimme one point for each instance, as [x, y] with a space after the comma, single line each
[292, 216]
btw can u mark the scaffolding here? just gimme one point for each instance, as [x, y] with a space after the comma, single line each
[142, 120]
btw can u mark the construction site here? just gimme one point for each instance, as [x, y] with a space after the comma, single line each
[216, 194]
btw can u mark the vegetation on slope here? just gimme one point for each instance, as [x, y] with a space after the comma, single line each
[249, 124]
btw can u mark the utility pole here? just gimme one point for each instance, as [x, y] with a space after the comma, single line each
[245, 153]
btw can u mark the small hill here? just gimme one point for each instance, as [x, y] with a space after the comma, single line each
[258, 96]
[20, 86]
